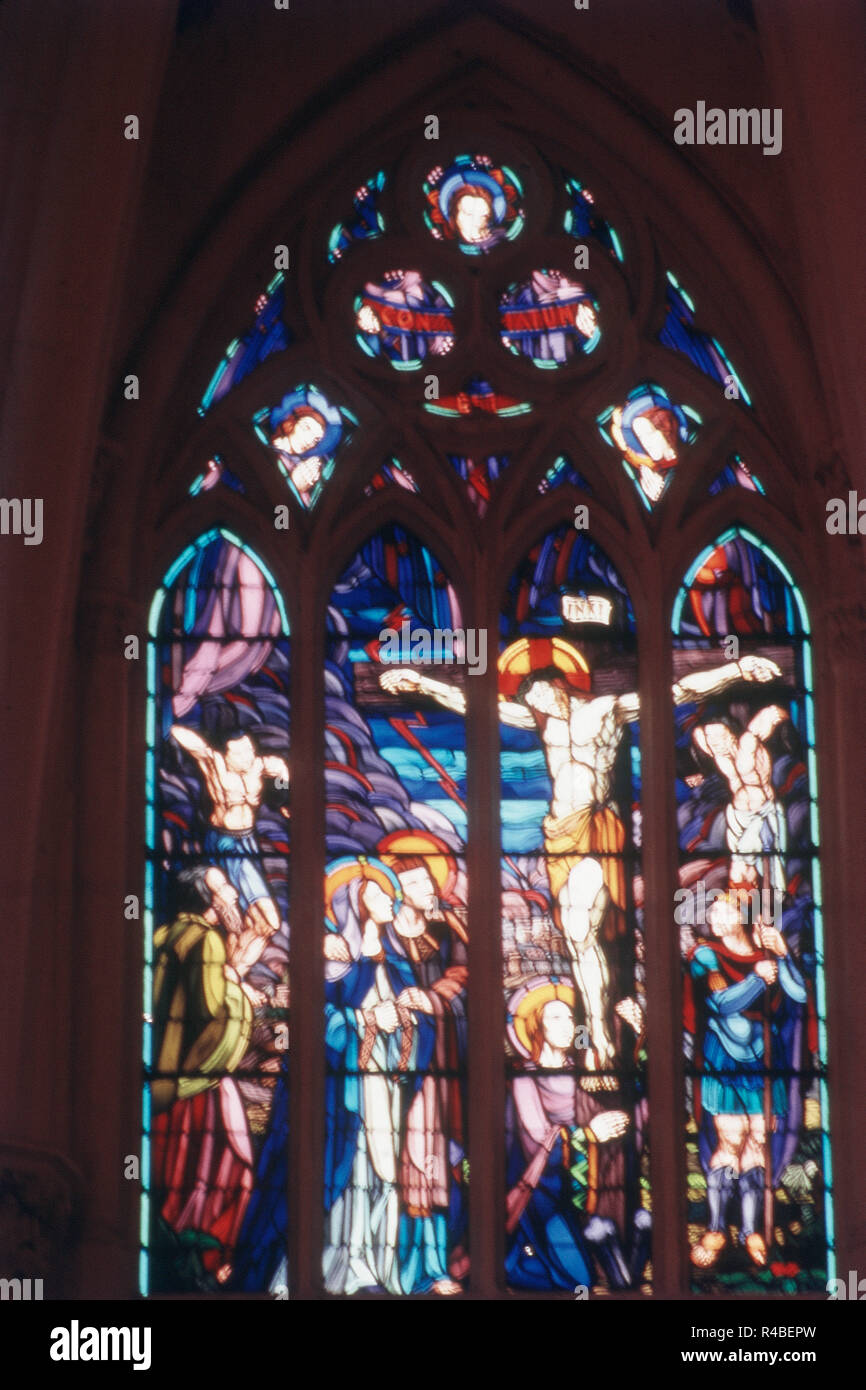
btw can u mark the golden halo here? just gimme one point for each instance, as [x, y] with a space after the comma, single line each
[637, 460]
[529, 654]
[345, 871]
[616, 431]
[404, 844]
[536, 999]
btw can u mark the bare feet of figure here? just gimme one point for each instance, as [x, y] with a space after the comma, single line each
[708, 1249]
[602, 1081]
[446, 1287]
[630, 1011]
[756, 1249]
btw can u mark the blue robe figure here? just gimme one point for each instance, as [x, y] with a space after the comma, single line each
[377, 1052]
[260, 1262]
[737, 1004]
[268, 334]
[680, 333]
[546, 1249]
[431, 1233]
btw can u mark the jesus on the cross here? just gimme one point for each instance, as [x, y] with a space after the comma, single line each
[545, 686]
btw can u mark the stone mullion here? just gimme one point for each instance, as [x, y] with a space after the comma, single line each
[486, 1086]
[306, 973]
[663, 971]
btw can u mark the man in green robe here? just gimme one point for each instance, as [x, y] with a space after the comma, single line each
[202, 1020]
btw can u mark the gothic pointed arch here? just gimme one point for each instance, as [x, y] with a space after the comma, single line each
[423, 383]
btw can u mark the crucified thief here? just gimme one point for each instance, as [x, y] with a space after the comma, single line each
[234, 774]
[755, 826]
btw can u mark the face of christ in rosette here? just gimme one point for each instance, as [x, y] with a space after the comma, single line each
[472, 215]
[474, 203]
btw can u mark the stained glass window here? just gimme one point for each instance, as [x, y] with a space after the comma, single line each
[480, 477]
[578, 1211]
[478, 397]
[391, 474]
[392, 1088]
[750, 925]
[395, 937]
[549, 319]
[365, 222]
[216, 474]
[649, 430]
[305, 432]
[268, 334]
[736, 473]
[562, 473]
[680, 332]
[582, 219]
[474, 203]
[404, 319]
[216, 925]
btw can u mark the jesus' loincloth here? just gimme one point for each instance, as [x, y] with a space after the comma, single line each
[596, 833]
